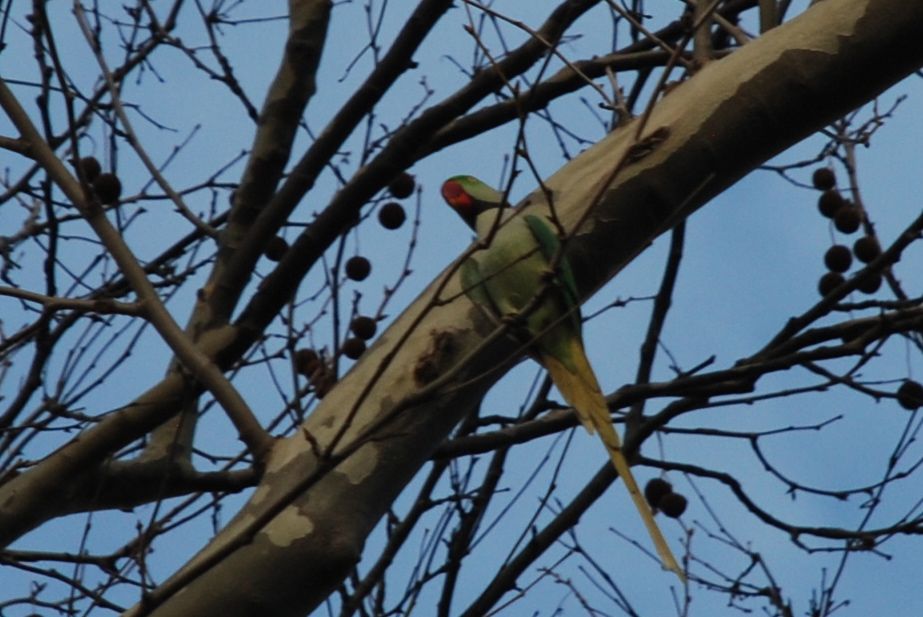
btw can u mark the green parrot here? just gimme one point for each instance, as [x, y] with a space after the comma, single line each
[505, 278]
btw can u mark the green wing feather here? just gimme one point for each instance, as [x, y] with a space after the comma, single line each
[550, 245]
[473, 286]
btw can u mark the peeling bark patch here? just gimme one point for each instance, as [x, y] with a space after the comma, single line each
[261, 492]
[283, 452]
[289, 526]
[429, 365]
[362, 465]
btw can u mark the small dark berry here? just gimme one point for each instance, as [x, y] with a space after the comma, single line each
[392, 215]
[830, 202]
[823, 178]
[655, 489]
[306, 361]
[358, 268]
[90, 168]
[910, 395]
[838, 258]
[866, 249]
[673, 505]
[847, 219]
[352, 348]
[402, 186]
[870, 285]
[108, 188]
[276, 248]
[363, 327]
[829, 281]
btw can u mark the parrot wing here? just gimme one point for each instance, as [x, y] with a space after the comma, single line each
[550, 246]
[473, 286]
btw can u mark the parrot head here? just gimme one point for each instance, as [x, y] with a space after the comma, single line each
[469, 197]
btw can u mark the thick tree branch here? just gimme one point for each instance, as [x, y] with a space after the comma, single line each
[288, 96]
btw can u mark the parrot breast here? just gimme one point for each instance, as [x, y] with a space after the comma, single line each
[514, 271]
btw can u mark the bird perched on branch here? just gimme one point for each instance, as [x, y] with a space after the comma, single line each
[521, 277]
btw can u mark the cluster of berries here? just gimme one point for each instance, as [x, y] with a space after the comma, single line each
[659, 494]
[847, 218]
[318, 371]
[106, 186]
[391, 215]
[357, 268]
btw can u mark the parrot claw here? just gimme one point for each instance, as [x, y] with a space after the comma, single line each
[550, 277]
[513, 319]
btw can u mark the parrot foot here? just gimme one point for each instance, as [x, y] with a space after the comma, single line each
[550, 277]
[513, 319]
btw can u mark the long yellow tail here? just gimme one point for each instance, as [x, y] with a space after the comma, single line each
[582, 391]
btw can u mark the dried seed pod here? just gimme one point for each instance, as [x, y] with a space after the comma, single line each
[276, 248]
[673, 505]
[829, 281]
[866, 249]
[358, 268]
[830, 202]
[847, 219]
[402, 186]
[392, 215]
[108, 188]
[871, 284]
[89, 167]
[823, 179]
[910, 395]
[363, 327]
[655, 489]
[838, 258]
[353, 347]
